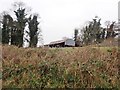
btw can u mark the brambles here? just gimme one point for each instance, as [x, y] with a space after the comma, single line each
[83, 67]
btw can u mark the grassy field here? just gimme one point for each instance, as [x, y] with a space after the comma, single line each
[82, 67]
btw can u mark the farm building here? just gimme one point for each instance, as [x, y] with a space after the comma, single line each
[62, 43]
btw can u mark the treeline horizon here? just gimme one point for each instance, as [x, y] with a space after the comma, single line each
[94, 33]
[13, 30]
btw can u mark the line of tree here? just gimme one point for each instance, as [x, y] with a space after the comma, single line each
[13, 30]
[94, 33]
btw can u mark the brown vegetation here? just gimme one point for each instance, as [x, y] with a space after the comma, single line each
[82, 67]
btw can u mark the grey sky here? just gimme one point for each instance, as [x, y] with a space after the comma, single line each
[59, 18]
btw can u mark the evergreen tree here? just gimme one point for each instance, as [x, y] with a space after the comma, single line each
[33, 27]
[20, 25]
[6, 28]
[76, 37]
[110, 31]
[13, 30]
[103, 33]
[92, 33]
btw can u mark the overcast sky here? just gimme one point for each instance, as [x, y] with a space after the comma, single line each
[59, 18]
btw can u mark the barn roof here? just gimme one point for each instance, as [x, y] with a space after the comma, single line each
[57, 42]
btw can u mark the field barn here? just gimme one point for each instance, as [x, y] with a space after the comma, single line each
[62, 43]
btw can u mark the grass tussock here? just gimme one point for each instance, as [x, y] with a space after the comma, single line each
[85, 67]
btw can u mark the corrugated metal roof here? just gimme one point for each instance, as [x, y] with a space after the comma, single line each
[57, 42]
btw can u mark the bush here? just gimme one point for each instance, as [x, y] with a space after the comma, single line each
[60, 68]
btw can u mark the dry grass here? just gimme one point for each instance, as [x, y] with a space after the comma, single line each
[84, 67]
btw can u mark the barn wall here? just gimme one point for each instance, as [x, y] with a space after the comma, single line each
[70, 42]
